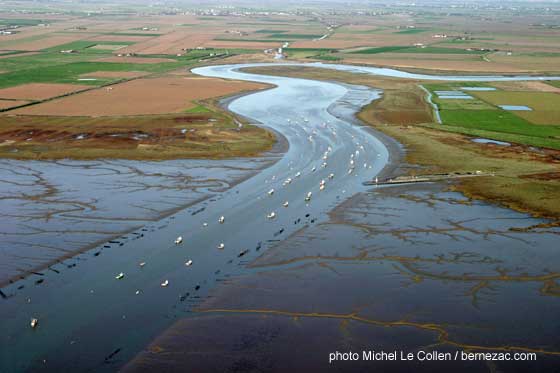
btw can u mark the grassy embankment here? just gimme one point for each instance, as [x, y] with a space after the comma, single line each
[525, 180]
[202, 132]
[205, 131]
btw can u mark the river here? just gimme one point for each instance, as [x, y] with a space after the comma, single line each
[89, 320]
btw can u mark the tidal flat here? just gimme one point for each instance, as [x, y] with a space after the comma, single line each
[416, 267]
[52, 210]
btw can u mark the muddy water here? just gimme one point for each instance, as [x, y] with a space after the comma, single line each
[411, 268]
[52, 210]
[92, 320]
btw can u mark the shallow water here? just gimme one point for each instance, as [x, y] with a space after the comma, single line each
[407, 268]
[51, 210]
[490, 141]
[516, 107]
[89, 320]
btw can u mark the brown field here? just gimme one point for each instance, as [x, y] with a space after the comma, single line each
[19, 55]
[46, 42]
[134, 59]
[4, 104]
[119, 38]
[442, 65]
[535, 100]
[114, 74]
[526, 86]
[171, 43]
[39, 91]
[171, 94]
[241, 44]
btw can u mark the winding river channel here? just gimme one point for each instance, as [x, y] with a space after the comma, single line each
[294, 207]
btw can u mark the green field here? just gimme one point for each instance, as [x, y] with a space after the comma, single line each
[481, 116]
[294, 36]
[413, 31]
[265, 31]
[23, 22]
[378, 50]
[51, 66]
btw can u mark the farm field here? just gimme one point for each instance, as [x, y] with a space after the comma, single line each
[539, 126]
[178, 189]
[527, 180]
[140, 97]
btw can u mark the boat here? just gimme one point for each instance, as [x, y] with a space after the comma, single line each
[221, 220]
[313, 169]
[204, 224]
[298, 174]
[322, 186]
[285, 204]
[34, 322]
[188, 263]
[272, 215]
[179, 240]
[119, 276]
[308, 197]
[271, 192]
[242, 253]
[142, 264]
[165, 283]
[331, 176]
[221, 246]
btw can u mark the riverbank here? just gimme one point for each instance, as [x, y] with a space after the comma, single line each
[203, 132]
[526, 179]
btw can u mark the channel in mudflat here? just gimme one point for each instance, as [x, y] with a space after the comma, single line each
[299, 254]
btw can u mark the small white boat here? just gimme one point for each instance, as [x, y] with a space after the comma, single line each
[271, 192]
[351, 162]
[285, 204]
[298, 174]
[272, 215]
[142, 264]
[313, 169]
[350, 171]
[221, 246]
[34, 322]
[322, 182]
[165, 283]
[331, 176]
[324, 165]
[137, 292]
[188, 263]
[119, 276]
[308, 197]
[179, 240]
[221, 220]
[322, 187]
[205, 224]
